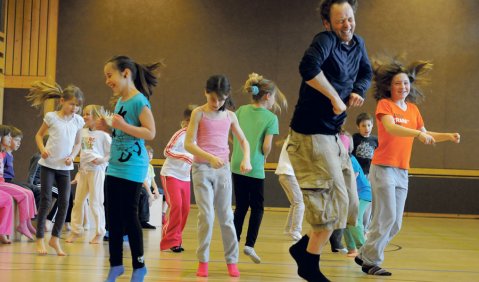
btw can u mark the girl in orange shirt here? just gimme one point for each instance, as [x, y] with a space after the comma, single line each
[399, 122]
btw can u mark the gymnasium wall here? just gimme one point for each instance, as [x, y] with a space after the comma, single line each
[199, 38]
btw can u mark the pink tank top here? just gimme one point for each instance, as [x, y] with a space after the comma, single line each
[212, 137]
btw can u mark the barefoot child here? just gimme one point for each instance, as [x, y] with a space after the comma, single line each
[57, 156]
[94, 156]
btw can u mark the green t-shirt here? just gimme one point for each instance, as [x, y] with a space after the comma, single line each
[255, 123]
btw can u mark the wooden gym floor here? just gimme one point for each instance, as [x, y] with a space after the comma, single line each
[426, 249]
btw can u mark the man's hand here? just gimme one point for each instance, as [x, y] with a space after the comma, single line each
[355, 100]
[338, 106]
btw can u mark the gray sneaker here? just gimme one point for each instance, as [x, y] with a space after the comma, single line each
[252, 254]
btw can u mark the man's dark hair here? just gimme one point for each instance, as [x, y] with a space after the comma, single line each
[325, 7]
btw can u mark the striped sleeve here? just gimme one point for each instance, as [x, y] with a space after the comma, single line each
[175, 148]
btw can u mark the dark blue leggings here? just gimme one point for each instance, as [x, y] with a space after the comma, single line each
[49, 176]
[123, 197]
[249, 193]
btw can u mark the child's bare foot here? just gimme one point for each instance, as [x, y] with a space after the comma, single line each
[4, 239]
[23, 229]
[73, 237]
[30, 227]
[55, 243]
[97, 239]
[41, 250]
[353, 253]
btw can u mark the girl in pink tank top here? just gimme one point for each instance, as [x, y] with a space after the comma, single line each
[207, 140]
[212, 137]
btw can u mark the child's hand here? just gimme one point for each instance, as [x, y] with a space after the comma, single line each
[45, 154]
[68, 161]
[216, 162]
[245, 167]
[455, 137]
[156, 194]
[75, 180]
[96, 161]
[117, 121]
[426, 138]
[100, 124]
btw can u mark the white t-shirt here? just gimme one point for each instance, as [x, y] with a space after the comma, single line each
[62, 133]
[94, 145]
[284, 164]
[150, 176]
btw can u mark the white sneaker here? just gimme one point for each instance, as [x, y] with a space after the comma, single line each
[252, 254]
[295, 235]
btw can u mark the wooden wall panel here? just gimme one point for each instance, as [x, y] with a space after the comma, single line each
[3, 6]
[35, 37]
[17, 29]
[10, 36]
[26, 36]
[42, 47]
[31, 42]
[2, 57]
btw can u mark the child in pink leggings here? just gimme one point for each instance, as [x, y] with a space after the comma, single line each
[23, 197]
[6, 222]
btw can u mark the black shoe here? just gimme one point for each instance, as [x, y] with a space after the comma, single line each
[176, 249]
[146, 225]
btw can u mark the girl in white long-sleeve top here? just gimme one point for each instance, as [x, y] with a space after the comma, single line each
[175, 178]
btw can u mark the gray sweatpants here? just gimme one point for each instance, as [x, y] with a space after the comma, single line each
[389, 187]
[212, 188]
[62, 179]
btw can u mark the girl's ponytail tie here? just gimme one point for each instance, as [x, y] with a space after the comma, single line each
[255, 90]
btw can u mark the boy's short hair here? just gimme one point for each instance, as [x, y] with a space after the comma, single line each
[362, 117]
[15, 132]
[149, 149]
[187, 112]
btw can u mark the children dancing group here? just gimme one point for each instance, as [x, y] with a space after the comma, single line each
[320, 177]
[114, 162]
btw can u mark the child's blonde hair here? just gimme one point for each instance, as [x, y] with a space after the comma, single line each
[149, 149]
[94, 110]
[257, 86]
[42, 91]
